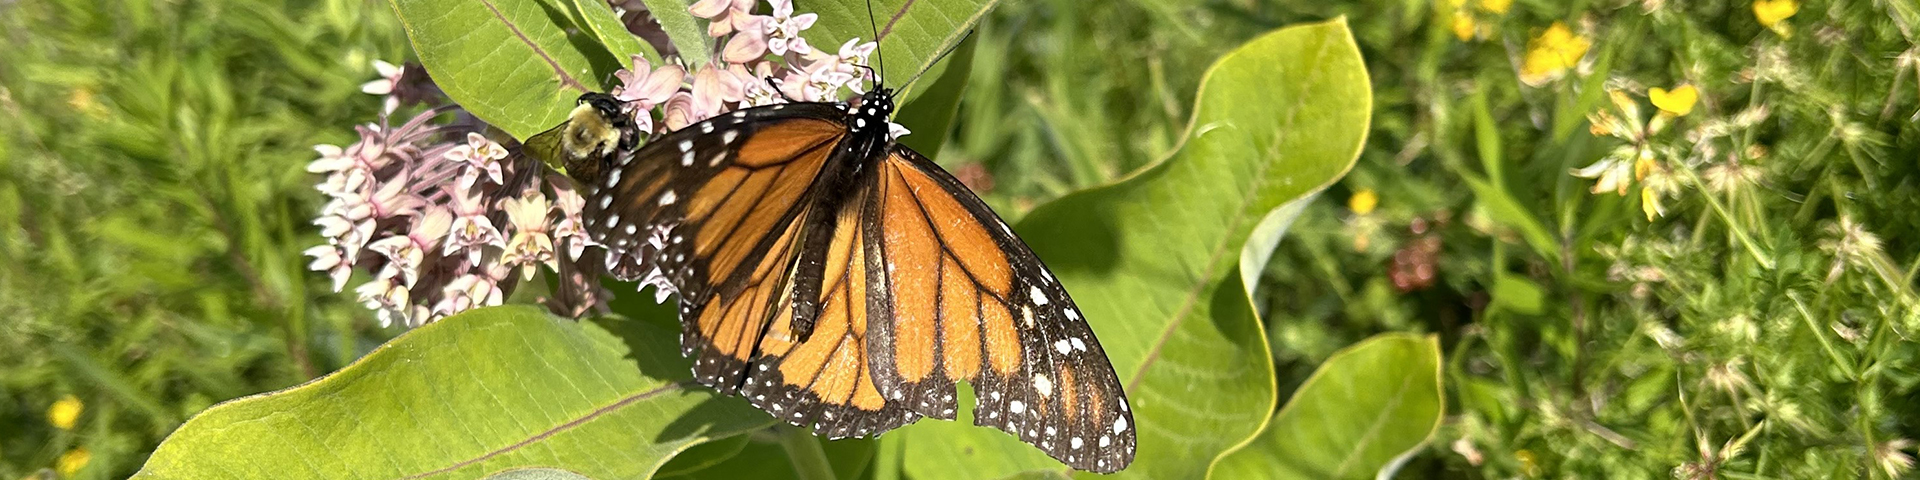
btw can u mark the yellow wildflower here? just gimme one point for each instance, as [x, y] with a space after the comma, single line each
[1772, 14]
[1677, 102]
[1551, 54]
[72, 461]
[1464, 28]
[1363, 201]
[1496, 6]
[65, 412]
[1655, 184]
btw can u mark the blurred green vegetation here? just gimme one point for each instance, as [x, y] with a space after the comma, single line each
[153, 206]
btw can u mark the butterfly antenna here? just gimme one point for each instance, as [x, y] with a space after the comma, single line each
[877, 55]
[936, 60]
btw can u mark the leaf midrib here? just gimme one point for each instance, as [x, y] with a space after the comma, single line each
[556, 430]
[1260, 182]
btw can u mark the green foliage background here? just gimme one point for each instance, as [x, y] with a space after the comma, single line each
[152, 207]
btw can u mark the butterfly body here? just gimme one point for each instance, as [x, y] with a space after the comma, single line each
[840, 281]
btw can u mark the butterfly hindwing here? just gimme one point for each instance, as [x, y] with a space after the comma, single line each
[971, 302]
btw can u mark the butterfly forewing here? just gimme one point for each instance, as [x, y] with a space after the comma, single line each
[704, 205]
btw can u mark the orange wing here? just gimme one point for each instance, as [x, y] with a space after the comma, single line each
[709, 211]
[825, 381]
[970, 302]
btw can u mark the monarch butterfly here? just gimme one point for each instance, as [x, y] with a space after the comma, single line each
[841, 281]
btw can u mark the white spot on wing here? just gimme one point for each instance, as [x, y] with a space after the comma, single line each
[1017, 407]
[686, 145]
[1043, 385]
[1076, 442]
[1078, 345]
[729, 136]
[1062, 346]
[686, 159]
[1119, 425]
[706, 127]
[1039, 298]
[668, 198]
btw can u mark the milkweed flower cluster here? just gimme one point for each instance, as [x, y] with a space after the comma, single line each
[438, 215]
[445, 219]
[763, 61]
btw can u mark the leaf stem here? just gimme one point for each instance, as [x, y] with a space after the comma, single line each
[809, 460]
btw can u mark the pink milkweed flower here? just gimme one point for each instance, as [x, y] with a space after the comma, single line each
[530, 246]
[677, 113]
[471, 228]
[386, 85]
[748, 45]
[757, 86]
[467, 292]
[817, 85]
[329, 258]
[479, 156]
[407, 253]
[713, 88]
[389, 297]
[571, 230]
[851, 59]
[783, 30]
[723, 16]
[643, 88]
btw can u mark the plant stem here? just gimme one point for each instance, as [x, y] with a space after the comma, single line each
[1733, 224]
[809, 460]
[1807, 318]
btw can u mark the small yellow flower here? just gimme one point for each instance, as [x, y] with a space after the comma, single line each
[1363, 201]
[1677, 102]
[1551, 54]
[1771, 13]
[1496, 6]
[1655, 184]
[1464, 28]
[73, 461]
[65, 412]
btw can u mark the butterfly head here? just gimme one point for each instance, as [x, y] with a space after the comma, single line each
[873, 111]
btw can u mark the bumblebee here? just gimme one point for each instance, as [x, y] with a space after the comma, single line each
[586, 143]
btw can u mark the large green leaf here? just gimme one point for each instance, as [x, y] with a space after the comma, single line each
[912, 33]
[1362, 411]
[931, 115]
[476, 393]
[1154, 260]
[518, 65]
